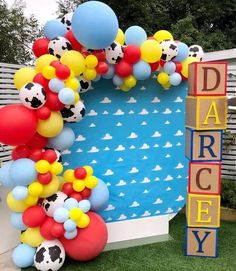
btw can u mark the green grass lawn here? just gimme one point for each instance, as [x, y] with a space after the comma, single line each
[165, 256]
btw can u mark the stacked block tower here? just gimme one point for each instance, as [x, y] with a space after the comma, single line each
[206, 115]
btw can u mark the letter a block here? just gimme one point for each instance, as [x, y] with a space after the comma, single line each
[201, 242]
[207, 79]
[203, 211]
[204, 178]
[206, 113]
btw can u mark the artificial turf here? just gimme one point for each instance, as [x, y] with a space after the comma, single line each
[164, 256]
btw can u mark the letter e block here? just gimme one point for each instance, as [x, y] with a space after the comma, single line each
[207, 79]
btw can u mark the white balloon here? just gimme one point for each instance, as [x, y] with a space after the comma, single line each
[73, 112]
[53, 202]
[59, 46]
[169, 50]
[114, 53]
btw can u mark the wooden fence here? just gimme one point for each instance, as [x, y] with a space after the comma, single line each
[9, 95]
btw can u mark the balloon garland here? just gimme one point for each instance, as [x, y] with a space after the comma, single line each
[56, 214]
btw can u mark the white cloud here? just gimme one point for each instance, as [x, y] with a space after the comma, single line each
[156, 134]
[179, 133]
[157, 212]
[180, 198]
[157, 179]
[133, 170]
[131, 100]
[92, 113]
[120, 159]
[132, 136]
[146, 213]
[107, 137]
[168, 178]
[167, 122]
[106, 149]
[144, 112]
[109, 219]
[146, 180]
[155, 146]
[179, 177]
[133, 181]
[177, 111]
[131, 112]
[155, 111]
[93, 162]
[119, 124]
[108, 173]
[79, 150]
[168, 188]
[92, 125]
[167, 111]
[178, 144]
[108, 184]
[178, 100]
[119, 112]
[155, 100]
[121, 183]
[106, 100]
[122, 217]
[144, 147]
[157, 168]
[168, 155]
[167, 145]
[121, 194]
[143, 123]
[105, 112]
[133, 215]
[93, 150]
[120, 148]
[134, 204]
[110, 207]
[143, 88]
[66, 164]
[145, 191]
[66, 152]
[179, 166]
[80, 138]
[158, 201]
[132, 147]
[169, 211]
[144, 157]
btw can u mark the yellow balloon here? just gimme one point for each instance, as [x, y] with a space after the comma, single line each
[23, 76]
[75, 214]
[61, 182]
[78, 185]
[69, 175]
[130, 81]
[42, 166]
[124, 88]
[84, 221]
[15, 205]
[74, 60]
[43, 61]
[163, 35]
[52, 126]
[163, 78]
[22, 237]
[33, 237]
[35, 189]
[166, 86]
[91, 182]
[151, 51]
[89, 170]
[73, 84]
[31, 200]
[90, 74]
[91, 61]
[72, 75]
[185, 64]
[120, 37]
[77, 98]
[51, 188]
[49, 72]
[56, 168]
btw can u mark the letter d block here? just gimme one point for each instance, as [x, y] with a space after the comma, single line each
[207, 79]
[201, 242]
[206, 113]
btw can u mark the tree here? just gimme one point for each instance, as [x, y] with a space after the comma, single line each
[211, 24]
[17, 33]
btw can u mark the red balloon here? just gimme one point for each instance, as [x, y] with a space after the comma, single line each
[37, 141]
[77, 196]
[154, 66]
[57, 230]
[50, 156]
[62, 72]
[80, 173]
[21, 151]
[41, 80]
[43, 113]
[162, 62]
[40, 47]
[35, 154]
[132, 54]
[34, 216]
[45, 178]
[123, 69]
[18, 124]
[100, 55]
[151, 38]
[55, 63]
[102, 68]
[75, 44]
[86, 193]
[53, 101]
[45, 228]
[89, 242]
[67, 188]
[178, 66]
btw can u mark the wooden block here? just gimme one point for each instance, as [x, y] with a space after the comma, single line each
[206, 113]
[201, 242]
[203, 211]
[204, 178]
[203, 145]
[207, 79]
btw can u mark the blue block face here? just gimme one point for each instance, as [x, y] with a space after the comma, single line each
[135, 143]
[201, 242]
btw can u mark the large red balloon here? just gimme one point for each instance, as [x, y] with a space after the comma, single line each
[132, 54]
[37, 141]
[89, 242]
[18, 124]
[40, 47]
[34, 216]
[123, 69]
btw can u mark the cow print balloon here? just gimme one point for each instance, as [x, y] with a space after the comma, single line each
[50, 255]
[169, 50]
[114, 53]
[53, 202]
[196, 51]
[74, 112]
[59, 46]
[66, 20]
[33, 95]
[85, 85]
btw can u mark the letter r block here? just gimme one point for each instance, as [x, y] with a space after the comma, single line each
[201, 242]
[207, 79]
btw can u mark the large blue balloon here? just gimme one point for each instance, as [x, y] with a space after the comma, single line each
[5, 178]
[142, 70]
[23, 256]
[99, 197]
[17, 222]
[94, 25]
[135, 35]
[53, 29]
[182, 53]
[64, 140]
[23, 171]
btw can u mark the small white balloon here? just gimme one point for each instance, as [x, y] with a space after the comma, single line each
[66, 20]
[196, 51]
[53, 202]
[169, 50]
[114, 53]
[74, 112]
[59, 46]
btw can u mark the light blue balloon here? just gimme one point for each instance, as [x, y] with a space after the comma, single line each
[5, 178]
[23, 171]
[142, 70]
[17, 222]
[23, 256]
[183, 52]
[71, 203]
[66, 96]
[69, 225]
[64, 140]
[98, 77]
[135, 35]
[56, 85]
[175, 79]
[70, 234]
[110, 73]
[85, 205]
[61, 215]
[94, 25]
[117, 81]
[20, 192]
[54, 28]
[169, 67]
[99, 196]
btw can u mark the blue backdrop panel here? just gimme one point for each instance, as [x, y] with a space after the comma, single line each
[135, 143]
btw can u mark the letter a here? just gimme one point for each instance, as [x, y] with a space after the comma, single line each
[214, 114]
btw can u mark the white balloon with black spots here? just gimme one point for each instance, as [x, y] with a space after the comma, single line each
[53, 202]
[85, 85]
[169, 50]
[50, 255]
[196, 51]
[66, 20]
[59, 46]
[114, 53]
[32, 95]
[73, 112]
